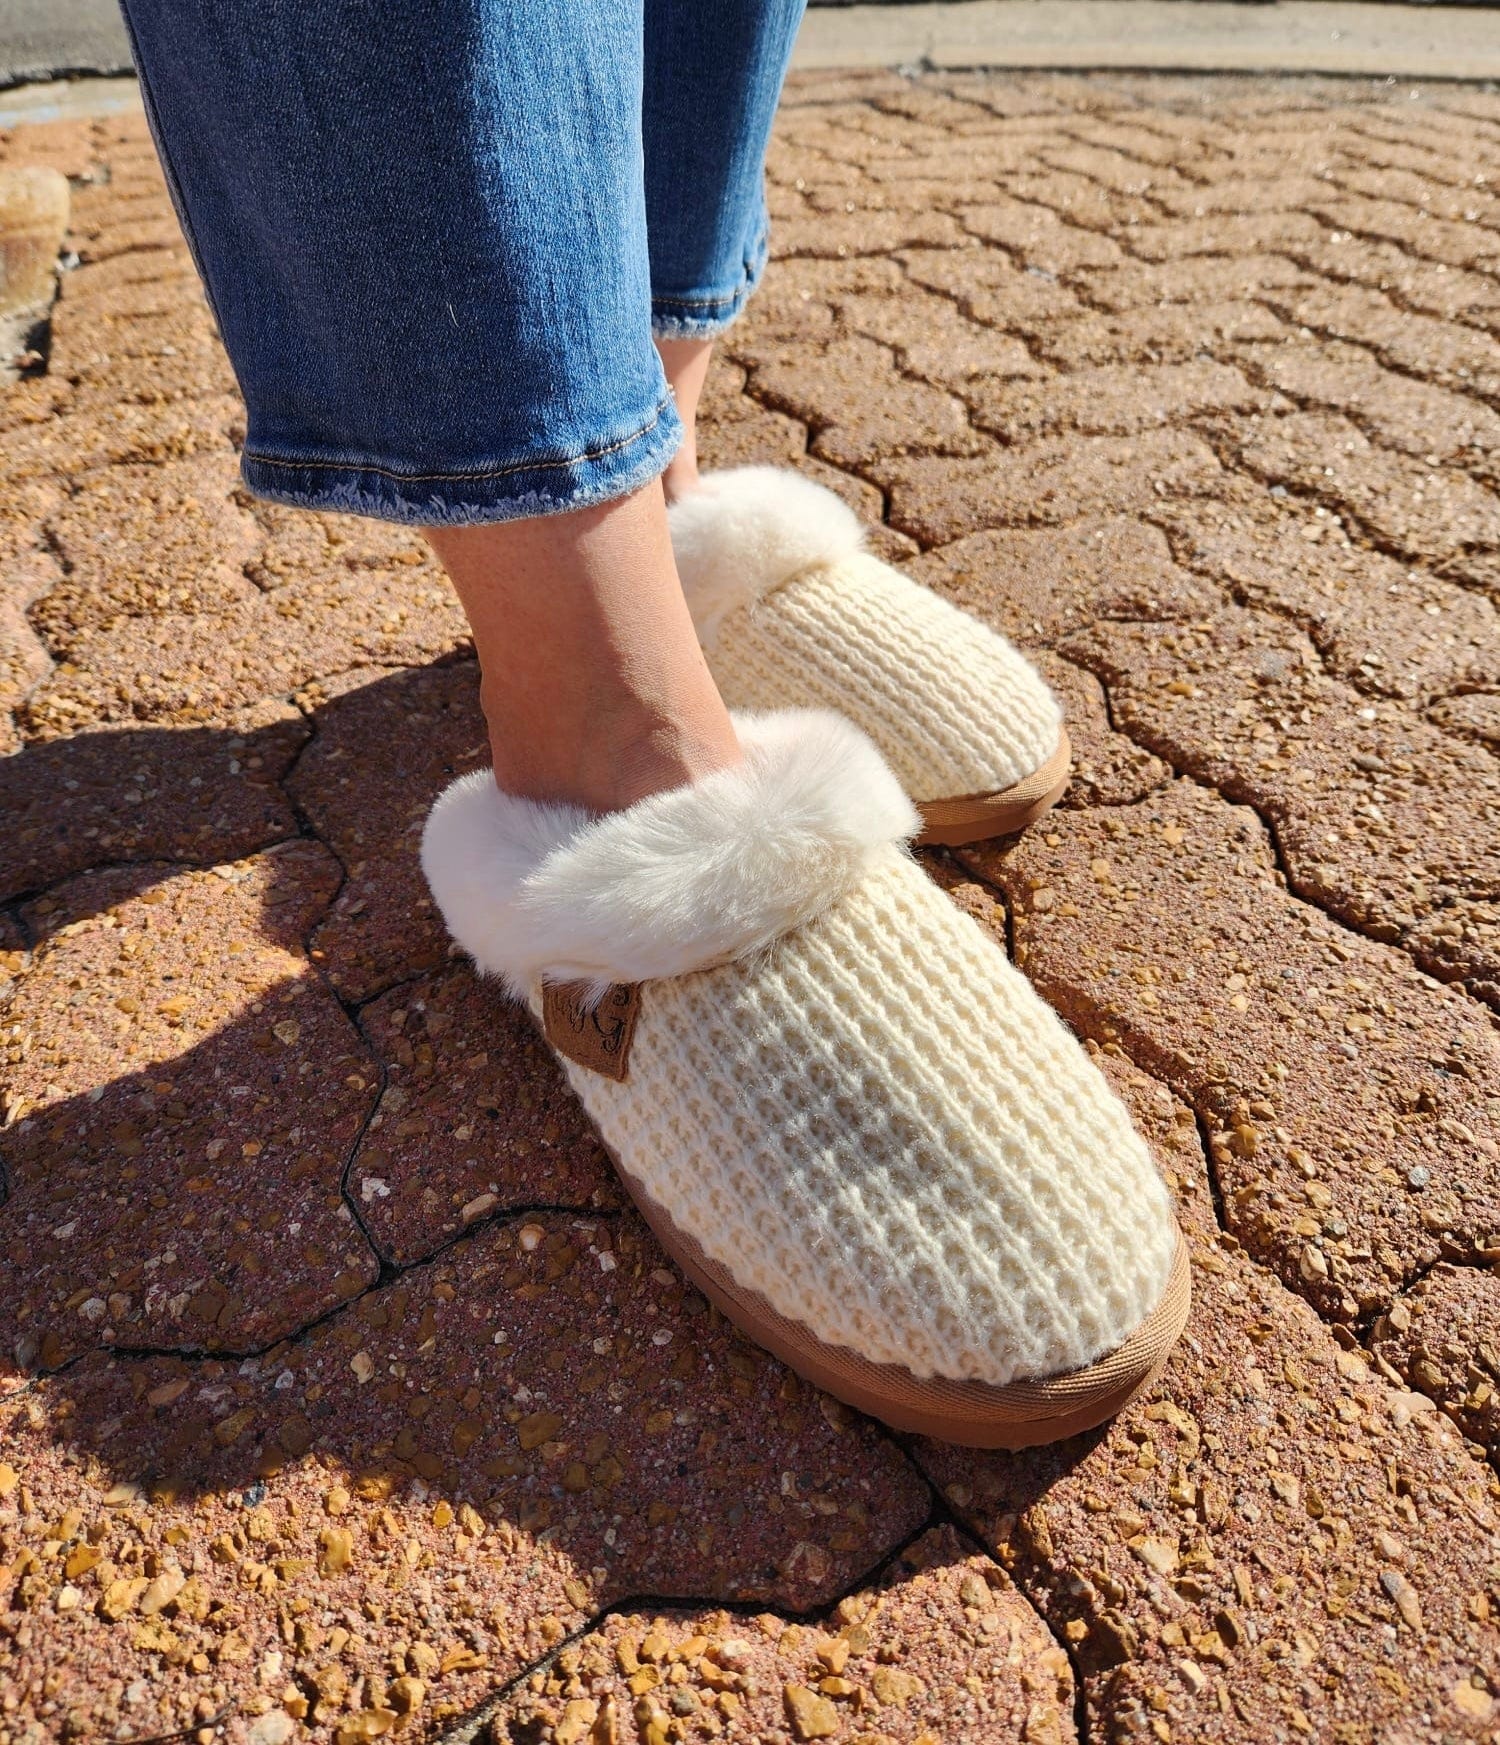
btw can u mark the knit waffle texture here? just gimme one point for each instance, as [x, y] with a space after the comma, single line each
[837, 1083]
[882, 1129]
[792, 613]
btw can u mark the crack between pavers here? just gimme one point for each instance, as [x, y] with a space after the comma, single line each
[1440, 190]
[636, 1604]
[795, 103]
[305, 825]
[1356, 157]
[50, 545]
[905, 373]
[10, 910]
[1010, 250]
[1223, 442]
[808, 434]
[103, 867]
[356, 1007]
[1285, 311]
[308, 831]
[186, 1732]
[71, 480]
[387, 1273]
[811, 430]
[1071, 219]
[382, 1084]
[1462, 689]
[1290, 881]
[1379, 110]
[1211, 1170]
[1238, 594]
[813, 427]
[1245, 359]
[957, 299]
[1082, 1719]
[1365, 1331]
[945, 1513]
[1180, 164]
[1364, 1328]
[1213, 254]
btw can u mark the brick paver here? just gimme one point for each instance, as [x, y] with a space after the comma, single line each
[343, 1395]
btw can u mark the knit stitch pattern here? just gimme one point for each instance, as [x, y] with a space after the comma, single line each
[808, 620]
[880, 1127]
[954, 708]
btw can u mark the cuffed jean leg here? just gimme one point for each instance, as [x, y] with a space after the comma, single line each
[713, 78]
[423, 232]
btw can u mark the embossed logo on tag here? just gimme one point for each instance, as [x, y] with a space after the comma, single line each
[598, 1038]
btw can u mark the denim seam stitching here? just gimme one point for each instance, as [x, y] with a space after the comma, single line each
[702, 302]
[753, 266]
[348, 466]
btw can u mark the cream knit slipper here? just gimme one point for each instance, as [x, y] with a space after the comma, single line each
[845, 1113]
[792, 612]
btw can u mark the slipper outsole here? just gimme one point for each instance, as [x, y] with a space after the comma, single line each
[977, 817]
[1022, 1414]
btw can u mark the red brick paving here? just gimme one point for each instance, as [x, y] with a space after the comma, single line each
[1277, 1544]
[943, 1647]
[478, 1458]
[346, 1400]
[474, 1118]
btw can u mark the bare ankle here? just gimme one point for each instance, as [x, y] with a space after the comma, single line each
[595, 690]
[672, 755]
[624, 751]
[681, 477]
[686, 362]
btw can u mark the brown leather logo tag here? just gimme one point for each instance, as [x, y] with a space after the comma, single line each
[599, 1038]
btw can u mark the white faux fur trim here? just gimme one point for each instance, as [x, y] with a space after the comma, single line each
[749, 530]
[677, 882]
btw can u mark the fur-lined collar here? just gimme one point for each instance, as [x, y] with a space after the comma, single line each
[677, 882]
[750, 530]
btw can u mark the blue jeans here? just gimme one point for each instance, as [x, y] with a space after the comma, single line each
[439, 235]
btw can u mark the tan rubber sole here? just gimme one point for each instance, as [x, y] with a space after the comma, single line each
[1022, 1414]
[976, 817]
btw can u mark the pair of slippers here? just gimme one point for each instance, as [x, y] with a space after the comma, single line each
[848, 1118]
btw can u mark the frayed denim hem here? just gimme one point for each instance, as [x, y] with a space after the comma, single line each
[707, 317]
[463, 498]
